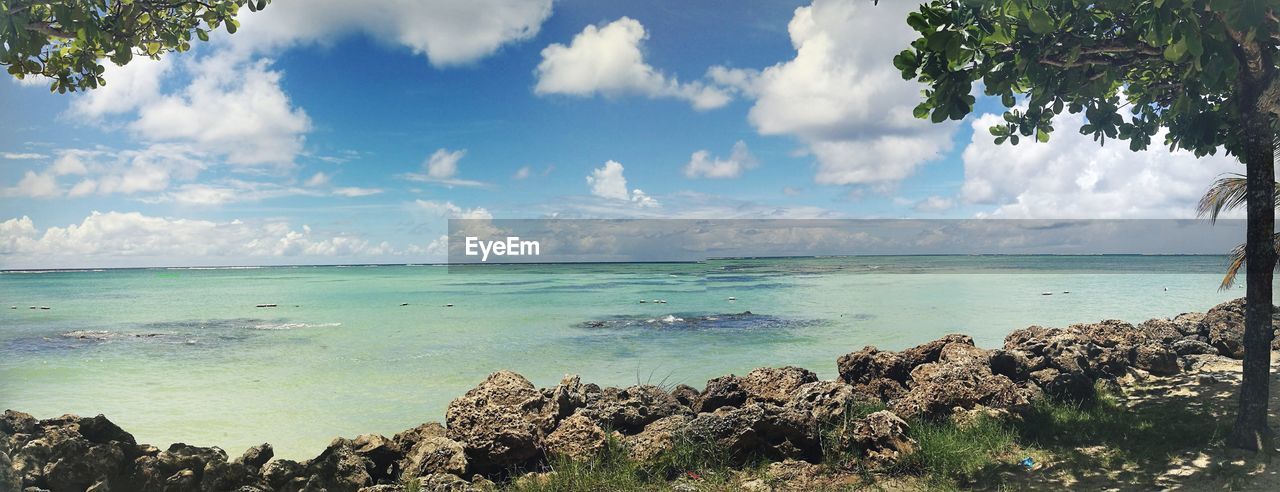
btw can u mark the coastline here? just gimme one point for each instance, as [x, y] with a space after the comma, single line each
[505, 430]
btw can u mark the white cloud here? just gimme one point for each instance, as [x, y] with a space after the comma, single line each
[841, 95]
[1071, 176]
[447, 32]
[608, 60]
[128, 87]
[679, 205]
[703, 165]
[609, 182]
[934, 204]
[523, 173]
[123, 239]
[108, 172]
[443, 164]
[233, 108]
[318, 179]
[356, 191]
[442, 167]
[448, 210]
[14, 156]
[36, 185]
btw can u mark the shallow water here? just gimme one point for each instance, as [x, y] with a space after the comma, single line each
[184, 354]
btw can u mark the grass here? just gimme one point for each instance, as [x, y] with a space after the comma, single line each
[703, 464]
[1100, 438]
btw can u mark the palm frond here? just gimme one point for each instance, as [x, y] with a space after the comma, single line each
[1226, 193]
[1237, 262]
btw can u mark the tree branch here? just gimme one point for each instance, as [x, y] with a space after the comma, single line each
[48, 30]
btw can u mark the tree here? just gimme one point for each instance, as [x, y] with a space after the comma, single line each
[1228, 193]
[66, 40]
[1199, 74]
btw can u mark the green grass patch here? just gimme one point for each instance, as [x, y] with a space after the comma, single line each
[1102, 437]
[701, 464]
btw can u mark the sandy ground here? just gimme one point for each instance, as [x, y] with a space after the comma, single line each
[1211, 388]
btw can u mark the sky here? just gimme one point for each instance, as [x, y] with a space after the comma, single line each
[329, 131]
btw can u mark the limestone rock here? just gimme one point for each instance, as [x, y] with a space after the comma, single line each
[658, 437]
[578, 437]
[881, 437]
[501, 422]
[724, 391]
[775, 385]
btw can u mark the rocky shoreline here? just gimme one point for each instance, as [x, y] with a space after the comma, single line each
[506, 429]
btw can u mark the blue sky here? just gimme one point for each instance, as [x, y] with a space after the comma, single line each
[308, 136]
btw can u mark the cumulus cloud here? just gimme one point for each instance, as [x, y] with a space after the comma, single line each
[443, 164]
[841, 96]
[122, 239]
[523, 173]
[934, 204]
[230, 103]
[446, 32]
[441, 167]
[232, 108]
[608, 60]
[609, 182]
[448, 210]
[128, 87]
[105, 172]
[22, 155]
[1071, 176]
[703, 165]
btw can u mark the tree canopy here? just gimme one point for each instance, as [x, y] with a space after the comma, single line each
[1204, 70]
[1167, 63]
[67, 40]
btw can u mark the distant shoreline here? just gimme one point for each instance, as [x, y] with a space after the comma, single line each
[673, 262]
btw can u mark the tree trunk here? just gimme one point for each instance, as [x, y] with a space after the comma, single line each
[1251, 430]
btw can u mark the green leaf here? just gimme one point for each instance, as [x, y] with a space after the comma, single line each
[1041, 23]
[1174, 52]
[145, 18]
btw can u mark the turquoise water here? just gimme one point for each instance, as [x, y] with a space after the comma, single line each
[184, 354]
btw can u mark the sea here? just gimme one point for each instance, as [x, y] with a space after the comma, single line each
[298, 355]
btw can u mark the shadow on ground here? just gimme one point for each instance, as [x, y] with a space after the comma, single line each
[1155, 434]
